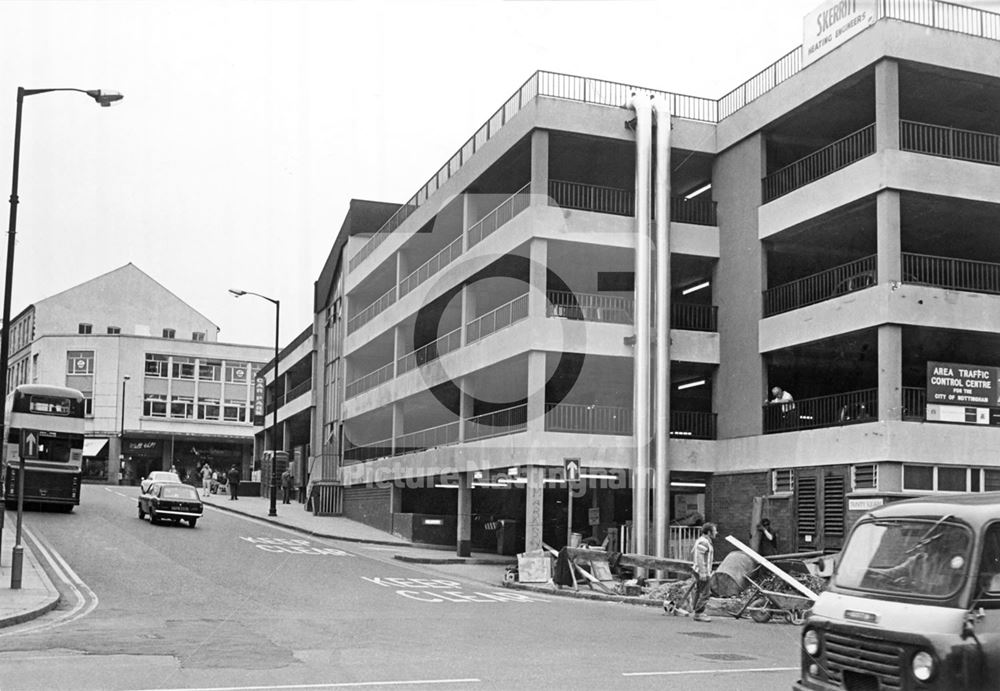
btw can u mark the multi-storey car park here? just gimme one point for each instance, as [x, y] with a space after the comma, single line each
[832, 231]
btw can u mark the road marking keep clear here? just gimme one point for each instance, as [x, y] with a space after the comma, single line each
[289, 545]
[440, 590]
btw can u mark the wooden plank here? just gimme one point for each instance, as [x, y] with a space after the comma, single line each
[772, 568]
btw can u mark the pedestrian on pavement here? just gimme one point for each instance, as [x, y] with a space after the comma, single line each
[703, 554]
[767, 539]
[206, 479]
[234, 483]
[287, 481]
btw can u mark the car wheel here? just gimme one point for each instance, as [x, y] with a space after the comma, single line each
[153, 518]
[142, 514]
[192, 522]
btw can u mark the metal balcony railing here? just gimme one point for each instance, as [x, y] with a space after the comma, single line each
[421, 440]
[500, 318]
[686, 424]
[498, 423]
[591, 419]
[369, 381]
[823, 411]
[368, 452]
[818, 164]
[585, 197]
[609, 309]
[430, 267]
[699, 212]
[372, 310]
[430, 352]
[694, 317]
[821, 286]
[949, 142]
[955, 274]
[504, 212]
[914, 403]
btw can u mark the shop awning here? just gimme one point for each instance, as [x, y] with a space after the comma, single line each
[92, 447]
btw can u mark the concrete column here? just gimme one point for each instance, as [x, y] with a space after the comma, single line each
[886, 105]
[464, 537]
[470, 308]
[539, 167]
[466, 407]
[533, 508]
[888, 243]
[537, 278]
[890, 372]
[536, 391]
[397, 423]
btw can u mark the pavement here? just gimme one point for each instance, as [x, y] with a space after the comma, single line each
[37, 594]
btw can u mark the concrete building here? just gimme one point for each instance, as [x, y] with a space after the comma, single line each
[830, 233]
[160, 388]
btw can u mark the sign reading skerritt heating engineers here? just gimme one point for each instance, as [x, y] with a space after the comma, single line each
[963, 393]
[832, 23]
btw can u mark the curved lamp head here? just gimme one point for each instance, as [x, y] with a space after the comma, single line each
[237, 293]
[104, 97]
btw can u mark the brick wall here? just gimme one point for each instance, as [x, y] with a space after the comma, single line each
[369, 505]
[729, 504]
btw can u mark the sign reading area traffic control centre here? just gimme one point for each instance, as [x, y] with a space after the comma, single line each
[963, 393]
[442, 590]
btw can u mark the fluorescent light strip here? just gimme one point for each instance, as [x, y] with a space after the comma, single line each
[585, 476]
[695, 288]
[688, 484]
[703, 188]
[691, 384]
[446, 486]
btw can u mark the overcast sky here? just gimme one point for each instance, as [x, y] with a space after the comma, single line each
[248, 126]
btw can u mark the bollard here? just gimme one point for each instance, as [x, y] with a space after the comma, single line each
[15, 567]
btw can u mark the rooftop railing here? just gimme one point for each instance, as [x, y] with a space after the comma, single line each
[939, 15]
[821, 163]
[846, 408]
[821, 286]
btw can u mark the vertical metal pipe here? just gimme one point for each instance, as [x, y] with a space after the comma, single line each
[640, 367]
[661, 407]
[272, 509]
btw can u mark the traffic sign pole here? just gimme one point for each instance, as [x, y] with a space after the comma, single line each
[27, 448]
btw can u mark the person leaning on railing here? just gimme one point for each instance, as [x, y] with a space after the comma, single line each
[783, 399]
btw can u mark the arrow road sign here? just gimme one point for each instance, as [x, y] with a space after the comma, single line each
[29, 444]
[572, 469]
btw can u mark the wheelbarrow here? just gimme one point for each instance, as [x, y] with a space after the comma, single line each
[762, 604]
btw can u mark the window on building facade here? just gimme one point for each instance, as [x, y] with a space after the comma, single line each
[236, 372]
[80, 362]
[183, 368]
[88, 404]
[198, 336]
[85, 328]
[210, 370]
[235, 411]
[169, 333]
[156, 365]
[991, 480]
[782, 480]
[182, 406]
[950, 479]
[154, 405]
[208, 408]
[114, 330]
[919, 477]
[865, 476]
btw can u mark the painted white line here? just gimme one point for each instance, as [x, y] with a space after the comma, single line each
[332, 685]
[682, 672]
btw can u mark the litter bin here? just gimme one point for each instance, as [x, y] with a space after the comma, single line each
[507, 537]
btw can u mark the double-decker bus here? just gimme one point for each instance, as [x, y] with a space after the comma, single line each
[55, 415]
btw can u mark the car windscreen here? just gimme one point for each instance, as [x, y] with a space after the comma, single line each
[916, 557]
[187, 493]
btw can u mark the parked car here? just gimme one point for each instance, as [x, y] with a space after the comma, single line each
[157, 476]
[171, 501]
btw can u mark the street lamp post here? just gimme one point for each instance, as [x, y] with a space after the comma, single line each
[121, 434]
[273, 506]
[104, 99]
